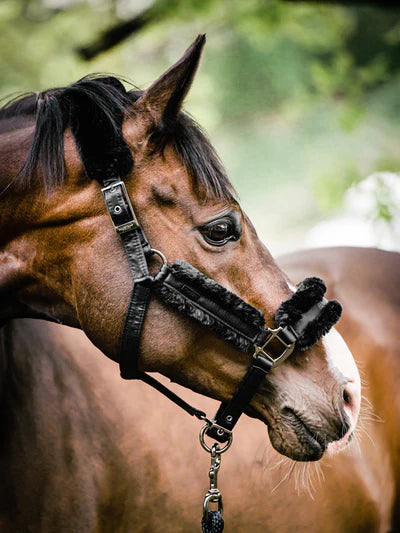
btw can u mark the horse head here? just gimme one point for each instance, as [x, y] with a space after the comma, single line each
[62, 260]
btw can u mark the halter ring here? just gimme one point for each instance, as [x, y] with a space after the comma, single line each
[160, 255]
[207, 448]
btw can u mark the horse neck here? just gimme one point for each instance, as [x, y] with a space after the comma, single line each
[15, 140]
[21, 211]
[72, 428]
[12, 156]
[57, 431]
[42, 369]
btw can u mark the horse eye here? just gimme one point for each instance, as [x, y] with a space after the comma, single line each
[219, 232]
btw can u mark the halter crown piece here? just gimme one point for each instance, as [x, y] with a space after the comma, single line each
[301, 321]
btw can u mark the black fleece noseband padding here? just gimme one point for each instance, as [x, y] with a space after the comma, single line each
[309, 292]
[195, 295]
[307, 313]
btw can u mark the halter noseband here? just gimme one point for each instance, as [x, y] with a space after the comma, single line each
[301, 320]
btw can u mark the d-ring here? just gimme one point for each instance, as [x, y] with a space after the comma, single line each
[207, 448]
[161, 255]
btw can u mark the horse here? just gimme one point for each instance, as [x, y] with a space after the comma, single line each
[61, 261]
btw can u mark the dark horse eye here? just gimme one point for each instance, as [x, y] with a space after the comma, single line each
[219, 232]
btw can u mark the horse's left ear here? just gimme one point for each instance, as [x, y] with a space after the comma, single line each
[164, 98]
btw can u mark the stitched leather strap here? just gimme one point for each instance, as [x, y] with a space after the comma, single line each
[136, 247]
[229, 413]
[129, 350]
[171, 395]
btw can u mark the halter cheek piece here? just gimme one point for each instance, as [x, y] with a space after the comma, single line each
[301, 320]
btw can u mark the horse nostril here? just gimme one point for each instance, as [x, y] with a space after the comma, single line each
[346, 396]
[351, 395]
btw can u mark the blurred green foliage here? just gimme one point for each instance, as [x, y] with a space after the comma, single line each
[301, 100]
[330, 189]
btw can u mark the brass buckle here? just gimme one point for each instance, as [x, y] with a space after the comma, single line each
[131, 224]
[275, 361]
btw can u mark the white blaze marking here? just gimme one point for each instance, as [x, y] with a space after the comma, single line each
[339, 356]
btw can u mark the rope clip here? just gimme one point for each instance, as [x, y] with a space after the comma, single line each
[213, 494]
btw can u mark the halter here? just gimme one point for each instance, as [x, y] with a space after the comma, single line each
[301, 320]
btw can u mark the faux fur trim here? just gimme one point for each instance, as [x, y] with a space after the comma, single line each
[187, 308]
[241, 316]
[225, 298]
[320, 326]
[244, 314]
[309, 292]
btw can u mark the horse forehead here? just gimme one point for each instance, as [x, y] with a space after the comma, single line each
[172, 187]
[339, 356]
[163, 174]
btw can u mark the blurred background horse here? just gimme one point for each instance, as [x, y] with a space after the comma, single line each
[83, 450]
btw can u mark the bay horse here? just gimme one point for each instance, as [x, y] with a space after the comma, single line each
[61, 261]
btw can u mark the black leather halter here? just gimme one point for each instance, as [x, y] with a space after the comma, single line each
[301, 320]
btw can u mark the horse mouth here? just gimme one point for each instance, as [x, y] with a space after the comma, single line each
[296, 439]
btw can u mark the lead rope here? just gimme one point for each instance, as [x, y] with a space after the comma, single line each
[212, 521]
[213, 524]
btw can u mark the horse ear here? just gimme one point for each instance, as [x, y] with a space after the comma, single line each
[164, 98]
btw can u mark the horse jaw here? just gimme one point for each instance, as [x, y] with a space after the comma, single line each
[340, 359]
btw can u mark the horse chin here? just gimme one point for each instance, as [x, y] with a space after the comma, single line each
[293, 438]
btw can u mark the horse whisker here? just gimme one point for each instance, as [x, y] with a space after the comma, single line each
[285, 477]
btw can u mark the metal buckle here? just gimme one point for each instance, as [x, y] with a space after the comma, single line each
[275, 361]
[131, 224]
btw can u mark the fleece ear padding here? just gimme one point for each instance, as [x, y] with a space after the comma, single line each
[195, 295]
[310, 292]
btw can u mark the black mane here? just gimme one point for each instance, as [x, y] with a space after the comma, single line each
[94, 108]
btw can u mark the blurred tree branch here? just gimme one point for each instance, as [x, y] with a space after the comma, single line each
[161, 9]
[117, 34]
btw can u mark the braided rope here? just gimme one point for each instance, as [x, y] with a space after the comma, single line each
[213, 524]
